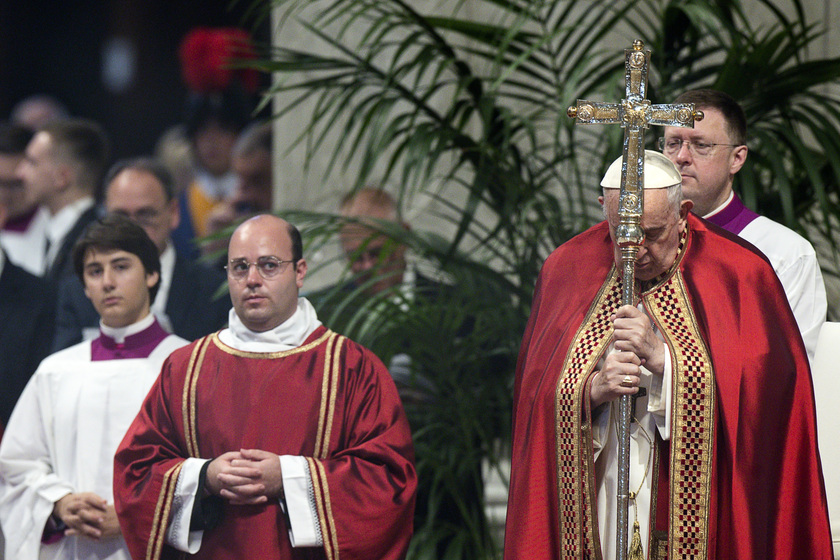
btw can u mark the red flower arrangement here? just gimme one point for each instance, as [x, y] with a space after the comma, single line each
[207, 55]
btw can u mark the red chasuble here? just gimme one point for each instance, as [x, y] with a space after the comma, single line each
[740, 476]
[329, 400]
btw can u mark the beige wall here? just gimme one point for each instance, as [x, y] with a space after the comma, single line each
[831, 14]
[297, 188]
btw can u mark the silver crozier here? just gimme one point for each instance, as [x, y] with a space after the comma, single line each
[634, 114]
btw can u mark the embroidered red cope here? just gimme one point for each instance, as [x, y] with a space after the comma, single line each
[740, 477]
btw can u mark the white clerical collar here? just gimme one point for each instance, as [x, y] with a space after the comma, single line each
[722, 206]
[286, 336]
[119, 334]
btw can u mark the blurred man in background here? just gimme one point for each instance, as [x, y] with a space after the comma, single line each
[142, 190]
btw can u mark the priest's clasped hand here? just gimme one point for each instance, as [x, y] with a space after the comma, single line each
[247, 476]
[87, 514]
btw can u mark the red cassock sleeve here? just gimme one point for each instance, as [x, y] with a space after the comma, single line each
[768, 500]
[366, 484]
[333, 403]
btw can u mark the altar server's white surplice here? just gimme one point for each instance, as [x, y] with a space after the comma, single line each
[63, 434]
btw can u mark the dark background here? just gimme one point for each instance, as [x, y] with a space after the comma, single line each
[57, 48]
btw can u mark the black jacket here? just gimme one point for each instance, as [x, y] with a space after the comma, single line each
[27, 313]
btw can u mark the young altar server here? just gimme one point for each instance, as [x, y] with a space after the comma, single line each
[56, 458]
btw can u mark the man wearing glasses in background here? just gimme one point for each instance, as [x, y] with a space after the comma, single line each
[270, 436]
[708, 157]
[142, 190]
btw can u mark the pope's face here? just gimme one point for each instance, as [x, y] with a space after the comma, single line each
[264, 303]
[118, 286]
[662, 225]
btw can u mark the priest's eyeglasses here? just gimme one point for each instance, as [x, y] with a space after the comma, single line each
[671, 146]
[268, 267]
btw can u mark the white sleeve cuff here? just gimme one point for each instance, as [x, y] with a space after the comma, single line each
[600, 427]
[178, 534]
[299, 502]
[660, 398]
[656, 405]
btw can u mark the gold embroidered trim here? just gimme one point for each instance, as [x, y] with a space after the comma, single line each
[188, 407]
[335, 358]
[692, 419]
[242, 354]
[162, 509]
[577, 496]
[659, 545]
[322, 500]
[325, 414]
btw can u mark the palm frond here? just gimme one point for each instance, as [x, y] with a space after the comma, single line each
[470, 114]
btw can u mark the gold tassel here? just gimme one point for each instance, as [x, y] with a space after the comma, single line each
[636, 552]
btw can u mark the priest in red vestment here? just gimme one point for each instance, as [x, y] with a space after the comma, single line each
[724, 460]
[275, 438]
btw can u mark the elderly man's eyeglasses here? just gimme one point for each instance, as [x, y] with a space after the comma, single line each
[671, 146]
[144, 217]
[268, 267]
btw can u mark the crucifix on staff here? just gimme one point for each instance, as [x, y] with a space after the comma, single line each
[635, 114]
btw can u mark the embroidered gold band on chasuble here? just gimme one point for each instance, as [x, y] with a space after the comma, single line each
[326, 415]
[692, 422]
[162, 509]
[329, 390]
[577, 494]
[692, 419]
[329, 387]
[189, 395]
[321, 489]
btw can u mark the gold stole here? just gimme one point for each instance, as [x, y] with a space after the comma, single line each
[692, 423]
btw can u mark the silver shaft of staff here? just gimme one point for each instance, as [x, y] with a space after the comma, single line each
[635, 113]
[629, 237]
[625, 406]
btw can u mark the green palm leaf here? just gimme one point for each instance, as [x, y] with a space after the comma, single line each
[470, 113]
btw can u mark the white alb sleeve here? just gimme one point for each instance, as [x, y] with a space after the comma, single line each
[178, 534]
[299, 502]
[660, 398]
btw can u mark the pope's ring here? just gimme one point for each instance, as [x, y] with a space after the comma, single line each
[627, 380]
